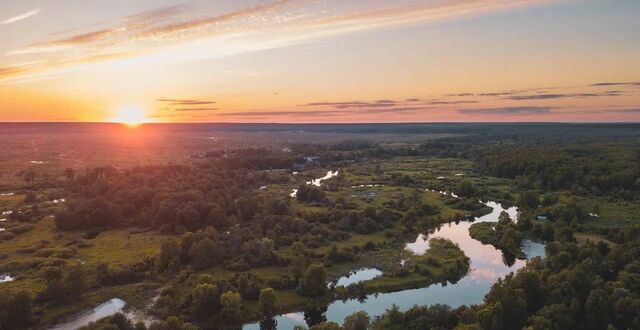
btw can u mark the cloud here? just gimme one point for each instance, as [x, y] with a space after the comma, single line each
[194, 109]
[353, 104]
[507, 111]
[65, 43]
[498, 93]
[322, 112]
[632, 110]
[156, 15]
[163, 35]
[184, 102]
[10, 71]
[258, 113]
[384, 104]
[21, 17]
[186, 29]
[451, 102]
[114, 35]
[560, 96]
[616, 84]
[461, 94]
[32, 70]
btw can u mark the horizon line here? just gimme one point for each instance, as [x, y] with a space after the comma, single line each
[323, 123]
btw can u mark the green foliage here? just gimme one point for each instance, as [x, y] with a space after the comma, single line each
[314, 281]
[326, 326]
[504, 234]
[30, 197]
[15, 310]
[573, 288]
[231, 307]
[205, 301]
[268, 302]
[529, 200]
[203, 254]
[465, 189]
[357, 321]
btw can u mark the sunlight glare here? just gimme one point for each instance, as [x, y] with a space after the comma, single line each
[130, 116]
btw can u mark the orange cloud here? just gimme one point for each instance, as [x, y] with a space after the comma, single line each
[157, 31]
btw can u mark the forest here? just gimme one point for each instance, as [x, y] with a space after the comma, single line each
[221, 241]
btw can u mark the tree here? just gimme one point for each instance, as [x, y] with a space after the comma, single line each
[268, 302]
[30, 197]
[314, 281]
[205, 301]
[69, 173]
[203, 254]
[524, 224]
[299, 264]
[326, 326]
[75, 281]
[504, 218]
[465, 189]
[529, 199]
[357, 321]
[15, 310]
[168, 253]
[231, 307]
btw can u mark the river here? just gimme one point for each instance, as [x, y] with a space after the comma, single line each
[487, 265]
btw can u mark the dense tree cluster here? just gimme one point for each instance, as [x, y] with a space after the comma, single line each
[593, 286]
[15, 310]
[171, 198]
[611, 171]
[504, 234]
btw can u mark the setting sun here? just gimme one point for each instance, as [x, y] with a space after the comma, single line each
[130, 116]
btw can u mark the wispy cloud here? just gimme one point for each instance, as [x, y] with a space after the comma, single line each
[184, 101]
[353, 104]
[616, 84]
[21, 17]
[156, 33]
[532, 110]
[545, 96]
[194, 109]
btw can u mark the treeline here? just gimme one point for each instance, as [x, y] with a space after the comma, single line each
[610, 171]
[170, 198]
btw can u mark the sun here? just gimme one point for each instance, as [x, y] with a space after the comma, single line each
[131, 116]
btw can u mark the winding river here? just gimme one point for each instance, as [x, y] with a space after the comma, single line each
[487, 265]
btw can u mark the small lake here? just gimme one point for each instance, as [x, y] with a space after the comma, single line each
[358, 276]
[6, 278]
[488, 264]
[316, 182]
[108, 308]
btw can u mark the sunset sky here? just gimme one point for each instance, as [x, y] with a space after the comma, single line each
[320, 60]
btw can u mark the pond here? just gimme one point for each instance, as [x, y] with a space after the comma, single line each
[358, 276]
[108, 308]
[316, 182]
[6, 278]
[487, 265]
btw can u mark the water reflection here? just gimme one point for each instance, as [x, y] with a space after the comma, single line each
[316, 182]
[6, 278]
[487, 265]
[358, 276]
[108, 308]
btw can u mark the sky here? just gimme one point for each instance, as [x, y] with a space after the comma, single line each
[290, 61]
